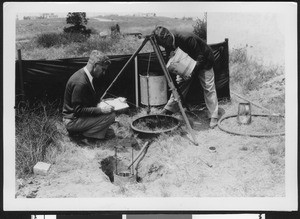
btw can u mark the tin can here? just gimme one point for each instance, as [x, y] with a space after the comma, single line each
[244, 113]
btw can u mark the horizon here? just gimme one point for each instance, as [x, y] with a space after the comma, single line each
[161, 9]
[96, 14]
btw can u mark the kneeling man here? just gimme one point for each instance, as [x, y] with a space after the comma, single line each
[80, 112]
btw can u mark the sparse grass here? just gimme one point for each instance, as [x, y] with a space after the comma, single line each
[246, 74]
[63, 48]
[44, 38]
[36, 136]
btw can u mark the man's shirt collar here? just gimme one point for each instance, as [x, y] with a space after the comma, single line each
[89, 76]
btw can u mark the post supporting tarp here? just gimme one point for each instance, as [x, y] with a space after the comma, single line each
[21, 75]
[136, 72]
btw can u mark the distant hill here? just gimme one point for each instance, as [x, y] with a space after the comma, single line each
[26, 29]
[141, 23]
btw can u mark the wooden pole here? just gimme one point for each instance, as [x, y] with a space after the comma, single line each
[173, 88]
[139, 154]
[21, 75]
[136, 82]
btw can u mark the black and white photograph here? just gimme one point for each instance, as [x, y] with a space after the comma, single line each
[143, 216]
[150, 106]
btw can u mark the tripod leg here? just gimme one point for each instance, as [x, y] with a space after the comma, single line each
[172, 87]
[129, 60]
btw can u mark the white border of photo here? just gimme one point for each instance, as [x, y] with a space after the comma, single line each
[287, 203]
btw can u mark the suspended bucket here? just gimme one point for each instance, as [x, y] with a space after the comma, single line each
[184, 63]
[153, 89]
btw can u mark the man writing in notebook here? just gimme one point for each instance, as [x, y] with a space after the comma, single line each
[81, 115]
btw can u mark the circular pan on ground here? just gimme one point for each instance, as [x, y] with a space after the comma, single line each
[248, 134]
[164, 123]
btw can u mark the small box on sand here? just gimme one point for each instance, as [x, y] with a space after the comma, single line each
[41, 168]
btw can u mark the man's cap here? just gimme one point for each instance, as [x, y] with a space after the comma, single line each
[161, 32]
[97, 56]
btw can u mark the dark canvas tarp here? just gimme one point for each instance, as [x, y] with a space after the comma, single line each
[46, 79]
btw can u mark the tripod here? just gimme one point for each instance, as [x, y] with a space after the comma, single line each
[175, 93]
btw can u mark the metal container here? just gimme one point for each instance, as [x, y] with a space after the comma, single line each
[184, 63]
[153, 89]
[121, 178]
[123, 175]
[244, 113]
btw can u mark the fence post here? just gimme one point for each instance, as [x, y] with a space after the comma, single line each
[21, 75]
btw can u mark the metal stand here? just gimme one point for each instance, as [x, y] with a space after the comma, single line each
[168, 77]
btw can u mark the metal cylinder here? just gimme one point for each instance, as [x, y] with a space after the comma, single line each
[244, 113]
[123, 178]
[156, 87]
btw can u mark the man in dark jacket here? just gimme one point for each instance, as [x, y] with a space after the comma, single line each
[198, 50]
[80, 112]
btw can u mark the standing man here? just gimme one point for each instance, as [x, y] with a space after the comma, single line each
[80, 112]
[198, 50]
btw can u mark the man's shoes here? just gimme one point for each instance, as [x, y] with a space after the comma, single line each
[110, 134]
[213, 123]
[79, 140]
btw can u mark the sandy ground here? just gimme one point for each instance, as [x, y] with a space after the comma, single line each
[173, 166]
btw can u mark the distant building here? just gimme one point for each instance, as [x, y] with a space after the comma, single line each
[30, 17]
[49, 15]
[145, 15]
[43, 16]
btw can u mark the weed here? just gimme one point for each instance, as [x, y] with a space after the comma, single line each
[200, 28]
[48, 39]
[122, 190]
[246, 74]
[36, 135]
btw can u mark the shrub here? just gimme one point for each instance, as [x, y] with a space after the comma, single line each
[238, 55]
[248, 73]
[67, 38]
[36, 134]
[78, 30]
[94, 31]
[78, 20]
[200, 28]
[96, 42]
[48, 39]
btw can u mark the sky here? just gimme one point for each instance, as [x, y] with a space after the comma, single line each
[168, 9]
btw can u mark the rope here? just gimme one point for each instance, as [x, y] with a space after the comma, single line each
[255, 104]
[248, 134]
